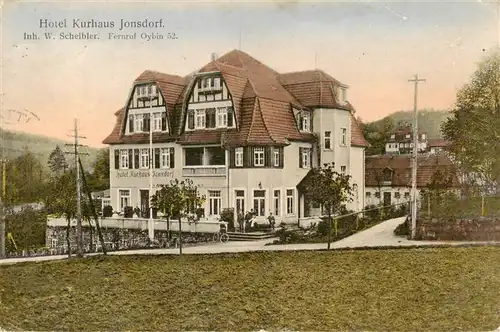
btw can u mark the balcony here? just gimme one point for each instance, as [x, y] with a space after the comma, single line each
[207, 170]
[210, 90]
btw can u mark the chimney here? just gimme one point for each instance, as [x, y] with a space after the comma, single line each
[214, 56]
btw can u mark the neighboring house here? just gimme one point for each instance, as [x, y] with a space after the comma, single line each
[401, 141]
[244, 133]
[388, 178]
[437, 145]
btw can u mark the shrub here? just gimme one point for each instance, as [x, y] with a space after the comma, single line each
[373, 214]
[402, 230]
[200, 212]
[128, 212]
[227, 215]
[107, 211]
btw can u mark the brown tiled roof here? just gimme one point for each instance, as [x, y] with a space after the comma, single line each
[357, 137]
[401, 132]
[314, 88]
[428, 164]
[438, 142]
[208, 136]
[263, 101]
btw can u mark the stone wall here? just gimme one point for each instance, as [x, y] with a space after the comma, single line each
[472, 229]
[116, 238]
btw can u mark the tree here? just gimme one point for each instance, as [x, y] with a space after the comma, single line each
[24, 179]
[377, 134]
[57, 161]
[98, 178]
[474, 126]
[176, 200]
[331, 190]
[60, 199]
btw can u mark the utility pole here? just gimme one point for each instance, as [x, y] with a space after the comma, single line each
[79, 233]
[415, 80]
[151, 222]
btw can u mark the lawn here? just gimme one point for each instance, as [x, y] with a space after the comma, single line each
[446, 289]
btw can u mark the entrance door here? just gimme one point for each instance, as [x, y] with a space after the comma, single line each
[387, 199]
[145, 203]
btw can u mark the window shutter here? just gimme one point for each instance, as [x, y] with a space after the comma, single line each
[164, 121]
[136, 158]
[230, 116]
[282, 156]
[199, 84]
[146, 122]
[267, 156]
[248, 156]
[172, 157]
[157, 158]
[130, 159]
[131, 123]
[117, 159]
[300, 157]
[232, 158]
[311, 158]
[191, 119]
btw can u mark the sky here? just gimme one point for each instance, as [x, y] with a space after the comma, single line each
[373, 47]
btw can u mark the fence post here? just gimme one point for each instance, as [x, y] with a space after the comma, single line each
[482, 206]
[429, 205]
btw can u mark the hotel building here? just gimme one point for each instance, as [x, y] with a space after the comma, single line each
[244, 133]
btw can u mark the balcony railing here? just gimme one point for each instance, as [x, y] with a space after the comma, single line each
[210, 89]
[205, 170]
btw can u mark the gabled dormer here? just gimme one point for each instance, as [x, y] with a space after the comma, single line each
[210, 105]
[387, 174]
[304, 120]
[146, 110]
[342, 94]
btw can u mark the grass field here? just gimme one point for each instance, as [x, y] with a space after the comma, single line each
[447, 289]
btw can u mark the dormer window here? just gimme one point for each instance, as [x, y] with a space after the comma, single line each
[387, 175]
[138, 122]
[305, 121]
[343, 94]
[423, 137]
[221, 117]
[393, 136]
[407, 135]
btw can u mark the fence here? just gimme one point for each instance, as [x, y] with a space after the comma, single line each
[451, 206]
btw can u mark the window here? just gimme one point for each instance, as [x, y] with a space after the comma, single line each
[230, 116]
[165, 158]
[124, 162]
[200, 119]
[190, 119]
[238, 155]
[289, 201]
[343, 169]
[217, 82]
[407, 194]
[305, 154]
[277, 200]
[222, 117]
[407, 135]
[259, 202]
[144, 163]
[305, 121]
[258, 156]
[131, 123]
[305, 157]
[276, 157]
[210, 118]
[343, 94]
[343, 136]
[368, 194]
[216, 156]
[377, 194]
[393, 136]
[124, 197]
[397, 195]
[157, 122]
[193, 156]
[240, 201]
[423, 136]
[138, 122]
[214, 201]
[328, 140]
